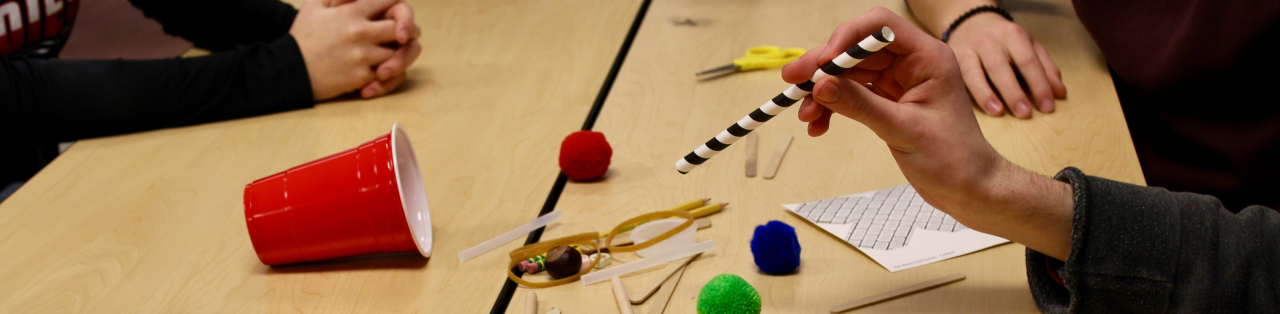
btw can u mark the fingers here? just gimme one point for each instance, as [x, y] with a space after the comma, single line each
[406, 30]
[818, 117]
[381, 87]
[809, 110]
[1028, 63]
[976, 79]
[802, 69]
[372, 8]
[821, 125]
[908, 39]
[381, 31]
[996, 63]
[862, 76]
[400, 61]
[373, 56]
[1051, 70]
[854, 101]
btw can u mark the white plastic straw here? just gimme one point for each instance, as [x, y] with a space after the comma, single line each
[507, 237]
[647, 262]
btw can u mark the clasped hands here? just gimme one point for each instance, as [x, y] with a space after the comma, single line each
[350, 45]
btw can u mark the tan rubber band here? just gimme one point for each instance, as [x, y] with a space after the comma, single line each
[647, 217]
[586, 239]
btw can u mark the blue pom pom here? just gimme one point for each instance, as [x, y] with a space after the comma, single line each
[776, 248]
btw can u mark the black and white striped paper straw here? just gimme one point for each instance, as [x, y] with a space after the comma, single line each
[787, 98]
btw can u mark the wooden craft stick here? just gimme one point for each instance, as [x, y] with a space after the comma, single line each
[752, 153]
[772, 169]
[659, 304]
[897, 293]
[531, 303]
[620, 295]
[663, 275]
[703, 223]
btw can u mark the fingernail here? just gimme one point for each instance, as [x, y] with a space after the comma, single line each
[403, 36]
[993, 107]
[827, 93]
[1046, 105]
[384, 73]
[1023, 109]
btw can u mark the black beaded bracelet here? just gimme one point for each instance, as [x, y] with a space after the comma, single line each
[986, 8]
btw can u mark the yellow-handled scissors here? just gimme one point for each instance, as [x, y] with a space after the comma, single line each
[760, 57]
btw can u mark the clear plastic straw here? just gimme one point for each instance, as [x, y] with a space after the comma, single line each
[674, 254]
[507, 237]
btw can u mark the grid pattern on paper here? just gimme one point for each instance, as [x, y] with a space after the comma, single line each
[885, 221]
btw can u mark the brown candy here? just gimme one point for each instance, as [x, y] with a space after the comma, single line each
[563, 261]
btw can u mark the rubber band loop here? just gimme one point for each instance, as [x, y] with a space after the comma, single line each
[648, 217]
[590, 239]
[528, 251]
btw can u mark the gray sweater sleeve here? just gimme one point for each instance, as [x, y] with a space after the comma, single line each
[1138, 249]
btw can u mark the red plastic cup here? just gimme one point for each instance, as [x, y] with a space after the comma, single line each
[368, 199]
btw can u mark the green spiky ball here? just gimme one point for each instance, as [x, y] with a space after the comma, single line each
[728, 294]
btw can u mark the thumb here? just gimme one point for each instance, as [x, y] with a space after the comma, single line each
[855, 101]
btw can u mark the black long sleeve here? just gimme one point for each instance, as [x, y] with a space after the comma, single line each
[1139, 249]
[219, 25]
[47, 101]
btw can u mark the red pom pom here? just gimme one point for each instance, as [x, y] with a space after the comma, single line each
[584, 155]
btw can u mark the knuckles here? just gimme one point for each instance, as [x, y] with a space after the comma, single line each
[1013, 30]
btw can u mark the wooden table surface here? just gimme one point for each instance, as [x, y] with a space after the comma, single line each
[154, 222]
[658, 112]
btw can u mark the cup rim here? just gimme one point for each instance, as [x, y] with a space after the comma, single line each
[413, 195]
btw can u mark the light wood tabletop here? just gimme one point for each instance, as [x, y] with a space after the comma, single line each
[154, 221]
[658, 112]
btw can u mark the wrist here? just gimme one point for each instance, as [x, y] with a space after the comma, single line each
[985, 21]
[1027, 208]
[937, 15]
[983, 14]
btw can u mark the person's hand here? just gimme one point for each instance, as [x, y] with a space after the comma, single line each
[391, 73]
[989, 46]
[365, 45]
[915, 101]
[912, 96]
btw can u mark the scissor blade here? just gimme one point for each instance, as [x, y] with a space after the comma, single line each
[723, 68]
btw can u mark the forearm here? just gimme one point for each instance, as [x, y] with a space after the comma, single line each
[108, 97]
[222, 24]
[937, 15]
[1023, 207]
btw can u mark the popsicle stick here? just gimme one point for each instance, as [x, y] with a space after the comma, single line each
[702, 223]
[620, 295]
[772, 169]
[649, 288]
[531, 303]
[897, 293]
[659, 303]
[752, 153]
